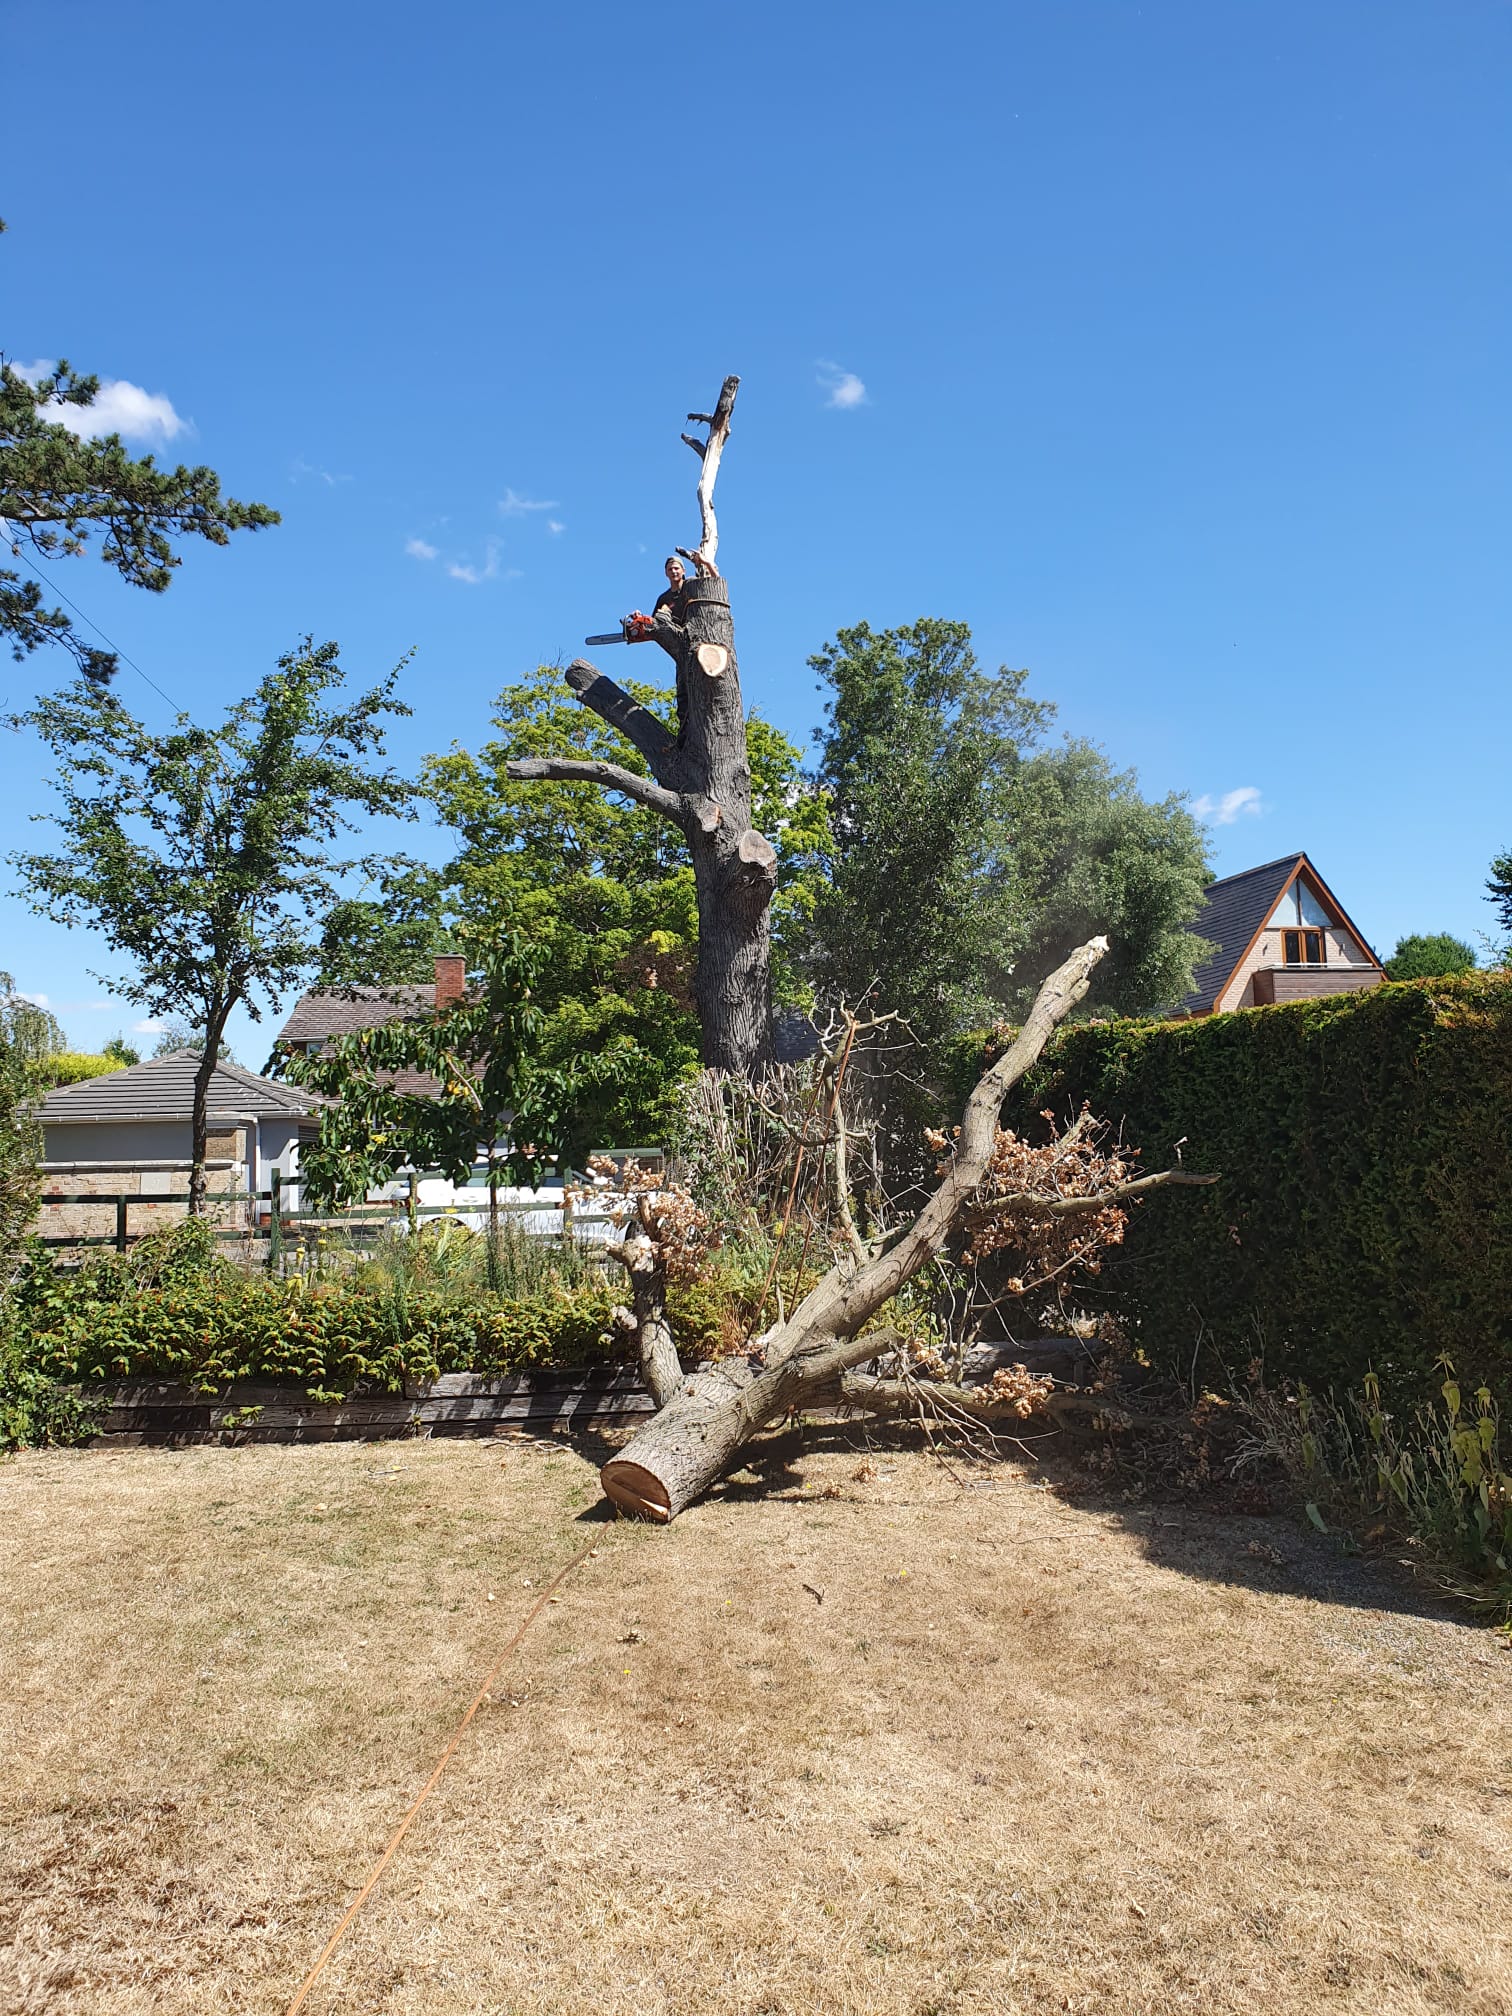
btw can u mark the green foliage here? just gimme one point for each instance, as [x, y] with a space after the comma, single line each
[1430, 956]
[481, 1079]
[1499, 891]
[171, 1309]
[967, 860]
[121, 1051]
[1436, 1474]
[57, 491]
[603, 886]
[201, 854]
[26, 1034]
[1364, 1217]
[72, 1067]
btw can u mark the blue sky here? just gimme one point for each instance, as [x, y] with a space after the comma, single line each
[1181, 333]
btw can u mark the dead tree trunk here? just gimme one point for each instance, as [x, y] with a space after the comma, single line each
[700, 780]
[699, 1430]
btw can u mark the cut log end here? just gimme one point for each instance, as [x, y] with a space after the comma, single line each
[580, 675]
[756, 851]
[713, 659]
[635, 1491]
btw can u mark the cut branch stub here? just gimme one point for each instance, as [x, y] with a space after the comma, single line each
[711, 659]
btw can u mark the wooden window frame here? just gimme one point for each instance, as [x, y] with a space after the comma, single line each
[1297, 936]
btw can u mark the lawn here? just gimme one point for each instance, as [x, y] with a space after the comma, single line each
[1019, 1753]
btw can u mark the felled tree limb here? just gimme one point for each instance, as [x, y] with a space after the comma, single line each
[695, 1436]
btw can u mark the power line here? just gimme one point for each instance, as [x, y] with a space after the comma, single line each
[33, 568]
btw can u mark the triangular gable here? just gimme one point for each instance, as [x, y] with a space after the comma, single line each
[1239, 908]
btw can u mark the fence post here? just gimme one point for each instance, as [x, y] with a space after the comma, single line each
[275, 1226]
[120, 1204]
[414, 1201]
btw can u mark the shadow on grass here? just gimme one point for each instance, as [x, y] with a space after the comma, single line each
[1273, 1552]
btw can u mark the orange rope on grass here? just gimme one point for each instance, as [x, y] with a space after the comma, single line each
[430, 1784]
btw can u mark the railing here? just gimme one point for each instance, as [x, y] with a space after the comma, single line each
[280, 1223]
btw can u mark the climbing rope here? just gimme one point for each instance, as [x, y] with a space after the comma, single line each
[430, 1784]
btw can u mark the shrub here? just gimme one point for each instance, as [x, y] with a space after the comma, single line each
[1364, 1219]
[171, 1308]
[72, 1067]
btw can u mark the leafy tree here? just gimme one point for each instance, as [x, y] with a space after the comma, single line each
[488, 1088]
[122, 1051]
[1499, 891]
[202, 853]
[1428, 956]
[604, 887]
[58, 491]
[968, 860]
[28, 1034]
[178, 1035]
[73, 1067]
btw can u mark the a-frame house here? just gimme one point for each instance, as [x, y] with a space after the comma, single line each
[1280, 935]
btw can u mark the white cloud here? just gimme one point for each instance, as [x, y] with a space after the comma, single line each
[302, 469]
[515, 506]
[1245, 803]
[460, 571]
[845, 389]
[119, 407]
[555, 525]
[153, 1026]
[37, 1000]
[420, 549]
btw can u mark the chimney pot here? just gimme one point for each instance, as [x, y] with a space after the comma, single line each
[451, 979]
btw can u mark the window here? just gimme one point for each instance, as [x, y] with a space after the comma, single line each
[1302, 948]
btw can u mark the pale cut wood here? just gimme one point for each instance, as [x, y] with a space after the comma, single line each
[712, 659]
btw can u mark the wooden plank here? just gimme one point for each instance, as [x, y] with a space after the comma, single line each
[456, 1403]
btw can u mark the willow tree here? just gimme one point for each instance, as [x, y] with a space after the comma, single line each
[700, 778]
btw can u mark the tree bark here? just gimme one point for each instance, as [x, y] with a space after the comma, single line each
[701, 782]
[199, 1111]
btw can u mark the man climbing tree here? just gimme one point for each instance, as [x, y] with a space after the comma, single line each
[700, 780]
[701, 783]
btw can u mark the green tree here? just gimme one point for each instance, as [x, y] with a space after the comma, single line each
[28, 1036]
[122, 1051]
[1499, 891]
[1428, 955]
[57, 492]
[604, 886]
[489, 1090]
[968, 859]
[202, 854]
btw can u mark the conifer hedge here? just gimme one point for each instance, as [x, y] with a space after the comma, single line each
[1364, 1218]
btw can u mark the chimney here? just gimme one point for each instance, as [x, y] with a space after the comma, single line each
[451, 979]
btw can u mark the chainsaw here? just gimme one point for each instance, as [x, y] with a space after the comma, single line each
[636, 628]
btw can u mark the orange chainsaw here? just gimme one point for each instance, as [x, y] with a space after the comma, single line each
[636, 628]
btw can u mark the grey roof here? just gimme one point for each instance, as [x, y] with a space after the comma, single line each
[1233, 911]
[163, 1089]
[346, 1011]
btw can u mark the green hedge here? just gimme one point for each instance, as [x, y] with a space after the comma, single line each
[1365, 1212]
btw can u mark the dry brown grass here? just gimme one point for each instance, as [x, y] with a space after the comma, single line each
[1024, 1755]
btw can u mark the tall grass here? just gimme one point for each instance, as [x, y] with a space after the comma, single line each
[1436, 1476]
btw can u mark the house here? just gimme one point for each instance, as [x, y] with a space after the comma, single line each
[128, 1134]
[1280, 934]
